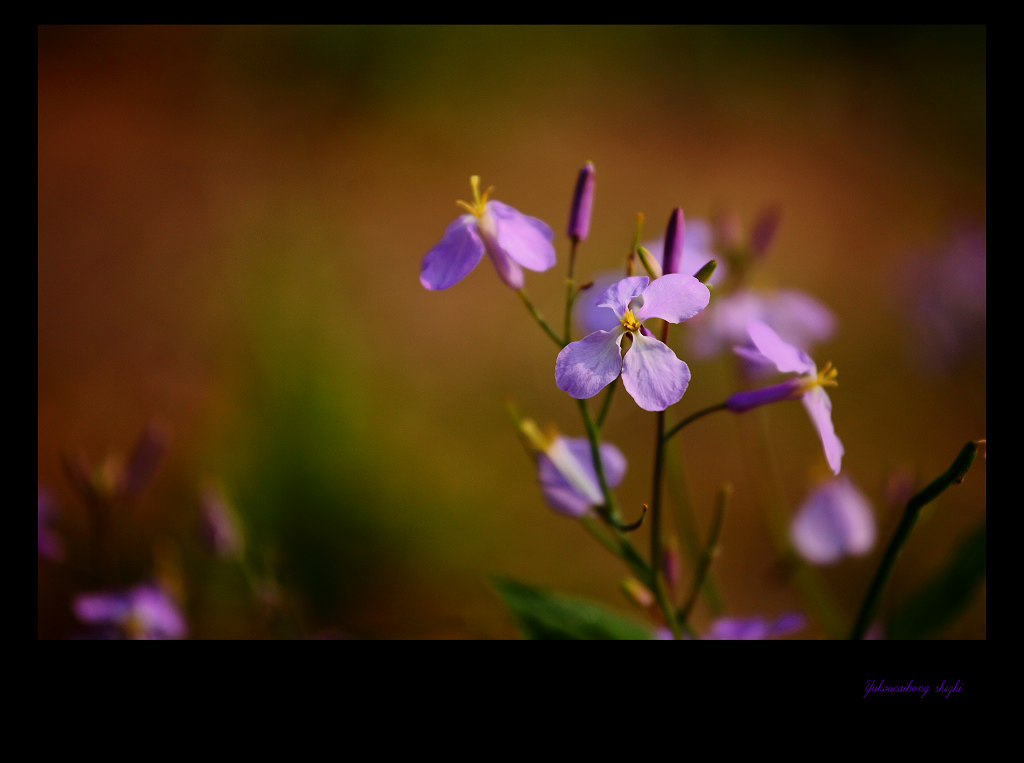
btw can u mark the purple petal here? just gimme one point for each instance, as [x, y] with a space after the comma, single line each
[786, 357]
[620, 294]
[724, 324]
[508, 269]
[754, 364]
[572, 463]
[834, 521]
[585, 367]
[451, 259]
[673, 297]
[156, 613]
[800, 319]
[738, 628]
[652, 374]
[102, 608]
[525, 239]
[588, 316]
[790, 622]
[819, 407]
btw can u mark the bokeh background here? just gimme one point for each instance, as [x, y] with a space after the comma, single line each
[230, 227]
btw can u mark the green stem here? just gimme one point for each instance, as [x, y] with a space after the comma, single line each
[540, 319]
[606, 406]
[610, 512]
[570, 290]
[708, 555]
[660, 590]
[953, 475]
[693, 417]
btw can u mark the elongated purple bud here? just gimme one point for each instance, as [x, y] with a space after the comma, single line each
[744, 401]
[765, 226]
[582, 203]
[148, 451]
[674, 242]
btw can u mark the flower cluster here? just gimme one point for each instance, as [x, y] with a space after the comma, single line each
[626, 319]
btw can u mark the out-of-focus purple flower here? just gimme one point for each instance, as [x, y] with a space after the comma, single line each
[651, 372]
[754, 628]
[512, 239]
[144, 611]
[50, 545]
[582, 204]
[565, 471]
[947, 303]
[808, 387]
[834, 521]
[219, 525]
[798, 318]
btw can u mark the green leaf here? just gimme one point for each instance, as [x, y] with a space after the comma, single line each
[940, 600]
[543, 614]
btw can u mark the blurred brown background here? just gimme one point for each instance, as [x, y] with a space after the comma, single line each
[231, 222]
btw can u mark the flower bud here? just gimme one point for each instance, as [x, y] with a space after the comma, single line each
[763, 232]
[582, 202]
[674, 242]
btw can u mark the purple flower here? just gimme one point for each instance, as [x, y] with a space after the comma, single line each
[511, 238]
[755, 628]
[141, 612]
[50, 545]
[808, 387]
[798, 318]
[582, 204]
[696, 253]
[219, 526]
[834, 521]
[651, 372]
[565, 471]
[944, 295]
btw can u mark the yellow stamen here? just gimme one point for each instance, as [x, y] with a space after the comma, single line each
[629, 321]
[479, 202]
[826, 378]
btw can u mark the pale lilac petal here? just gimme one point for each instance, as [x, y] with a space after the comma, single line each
[620, 294]
[588, 316]
[724, 323]
[156, 613]
[674, 297]
[819, 407]
[652, 374]
[508, 269]
[451, 259]
[834, 521]
[525, 239]
[800, 319]
[560, 474]
[585, 367]
[754, 363]
[786, 357]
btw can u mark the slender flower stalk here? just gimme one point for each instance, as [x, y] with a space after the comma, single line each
[954, 475]
[708, 555]
[540, 319]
